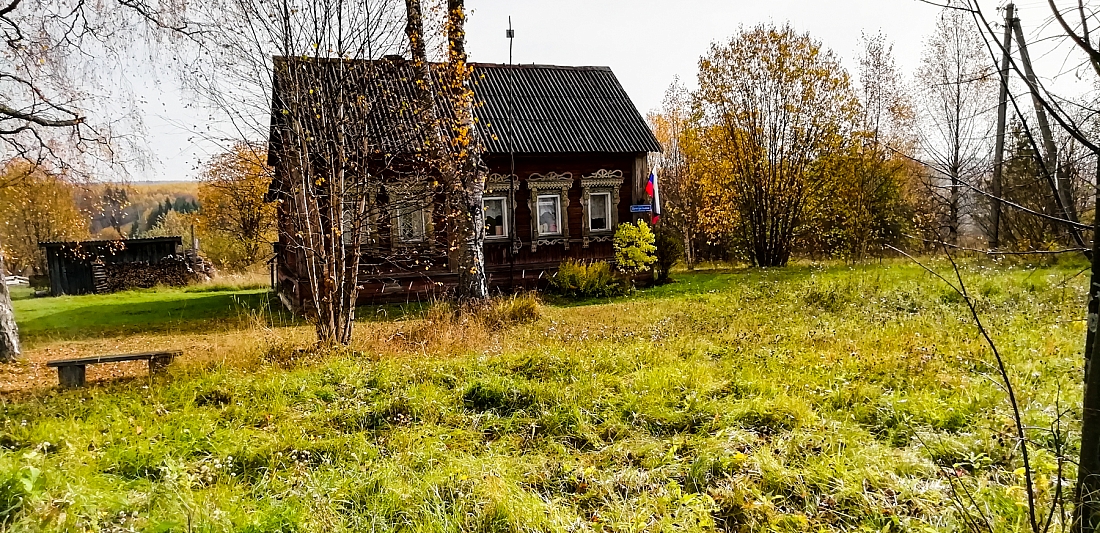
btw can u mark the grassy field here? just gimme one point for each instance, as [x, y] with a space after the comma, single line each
[179, 311]
[802, 399]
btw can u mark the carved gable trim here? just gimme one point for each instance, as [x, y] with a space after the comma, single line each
[498, 183]
[550, 180]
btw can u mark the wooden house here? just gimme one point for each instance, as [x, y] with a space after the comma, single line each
[566, 153]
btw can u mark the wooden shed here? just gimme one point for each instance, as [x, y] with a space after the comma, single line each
[566, 153]
[79, 267]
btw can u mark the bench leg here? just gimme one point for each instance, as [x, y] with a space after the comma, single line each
[158, 364]
[71, 376]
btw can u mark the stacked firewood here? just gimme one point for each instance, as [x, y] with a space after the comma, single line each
[200, 265]
[174, 270]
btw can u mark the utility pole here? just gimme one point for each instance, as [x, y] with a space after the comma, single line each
[1002, 111]
[1087, 510]
[1058, 180]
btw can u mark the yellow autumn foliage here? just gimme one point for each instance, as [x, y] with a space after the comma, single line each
[235, 225]
[36, 205]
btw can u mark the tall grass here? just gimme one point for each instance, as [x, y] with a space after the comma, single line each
[233, 281]
[802, 399]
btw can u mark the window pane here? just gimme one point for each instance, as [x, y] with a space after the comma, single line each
[549, 218]
[495, 224]
[410, 225]
[598, 211]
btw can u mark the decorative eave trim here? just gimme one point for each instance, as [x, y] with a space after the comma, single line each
[550, 180]
[603, 178]
[502, 182]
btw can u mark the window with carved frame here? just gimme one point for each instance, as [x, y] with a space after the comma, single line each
[549, 214]
[360, 213]
[600, 199]
[499, 203]
[410, 224]
[410, 215]
[496, 217]
[599, 211]
[549, 205]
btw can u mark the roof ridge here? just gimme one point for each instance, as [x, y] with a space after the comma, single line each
[541, 66]
[602, 68]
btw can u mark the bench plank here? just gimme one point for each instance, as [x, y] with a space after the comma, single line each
[70, 372]
[116, 358]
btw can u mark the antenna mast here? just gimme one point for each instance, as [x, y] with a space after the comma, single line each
[510, 34]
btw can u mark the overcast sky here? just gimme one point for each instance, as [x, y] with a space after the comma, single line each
[645, 42]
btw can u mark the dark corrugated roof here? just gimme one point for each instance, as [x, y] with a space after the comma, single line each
[556, 109]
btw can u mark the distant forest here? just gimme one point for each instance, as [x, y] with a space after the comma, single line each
[128, 210]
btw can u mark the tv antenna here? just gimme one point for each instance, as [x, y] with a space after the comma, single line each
[510, 34]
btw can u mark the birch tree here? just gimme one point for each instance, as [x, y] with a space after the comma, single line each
[54, 110]
[869, 194]
[681, 189]
[955, 82]
[334, 73]
[454, 149]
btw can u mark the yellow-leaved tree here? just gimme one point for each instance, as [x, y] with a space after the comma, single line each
[236, 225]
[37, 206]
[864, 208]
[776, 109]
[678, 168]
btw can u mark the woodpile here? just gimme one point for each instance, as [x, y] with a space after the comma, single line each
[174, 270]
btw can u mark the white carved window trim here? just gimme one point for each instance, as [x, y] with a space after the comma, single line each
[503, 186]
[607, 182]
[413, 200]
[555, 200]
[550, 184]
[414, 212]
[593, 215]
[505, 217]
[368, 229]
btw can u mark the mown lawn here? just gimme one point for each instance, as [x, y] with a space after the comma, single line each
[160, 310]
[803, 399]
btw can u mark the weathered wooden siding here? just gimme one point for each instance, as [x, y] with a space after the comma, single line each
[424, 272]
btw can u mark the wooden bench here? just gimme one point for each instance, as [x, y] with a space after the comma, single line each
[70, 372]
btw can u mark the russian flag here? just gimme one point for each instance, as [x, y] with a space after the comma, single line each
[654, 192]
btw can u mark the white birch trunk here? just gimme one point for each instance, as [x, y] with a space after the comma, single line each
[9, 332]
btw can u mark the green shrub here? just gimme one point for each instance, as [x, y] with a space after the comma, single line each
[577, 279]
[634, 248]
[670, 250]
